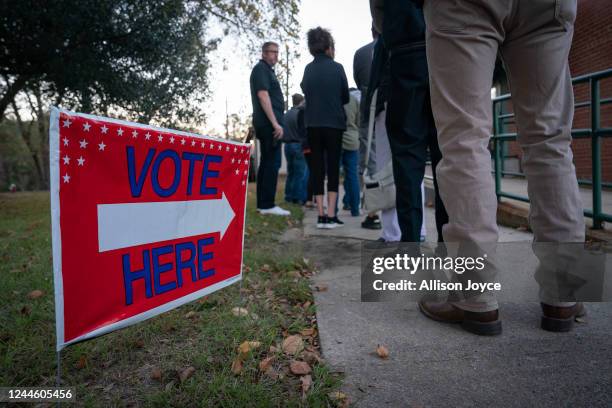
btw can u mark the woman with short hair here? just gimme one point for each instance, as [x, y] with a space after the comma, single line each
[326, 89]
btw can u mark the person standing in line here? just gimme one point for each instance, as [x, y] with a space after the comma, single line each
[350, 153]
[268, 107]
[410, 122]
[362, 65]
[326, 90]
[471, 34]
[295, 185]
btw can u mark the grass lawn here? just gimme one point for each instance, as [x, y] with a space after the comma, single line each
[186, 357]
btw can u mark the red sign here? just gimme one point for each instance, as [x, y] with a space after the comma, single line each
[144, 220]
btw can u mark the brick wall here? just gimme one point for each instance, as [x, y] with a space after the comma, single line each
[591, 51]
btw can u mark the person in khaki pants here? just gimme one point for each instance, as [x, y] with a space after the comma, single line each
[533, 37]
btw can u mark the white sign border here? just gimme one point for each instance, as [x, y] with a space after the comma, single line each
[56, 236]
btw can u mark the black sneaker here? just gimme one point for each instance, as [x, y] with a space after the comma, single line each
[334, 222]
[371, 223]
[322, 221]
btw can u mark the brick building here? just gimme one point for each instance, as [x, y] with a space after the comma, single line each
[591, 52]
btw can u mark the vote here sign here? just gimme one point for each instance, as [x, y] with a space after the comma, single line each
[143, 220]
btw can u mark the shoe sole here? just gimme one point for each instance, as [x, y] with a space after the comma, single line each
[321, 226]
[480, 328]
[557, 325]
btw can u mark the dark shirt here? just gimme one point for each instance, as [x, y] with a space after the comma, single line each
[264, 79]
[294, 131]
[362, 66]
[362, 63]
[403, 23]
[326, 91]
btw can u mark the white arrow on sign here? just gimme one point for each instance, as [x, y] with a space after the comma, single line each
[131, 224]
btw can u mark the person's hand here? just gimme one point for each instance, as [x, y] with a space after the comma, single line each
[278, 131]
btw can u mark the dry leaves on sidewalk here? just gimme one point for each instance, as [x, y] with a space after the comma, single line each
[186, 373]
[306, 383]
[382, 352]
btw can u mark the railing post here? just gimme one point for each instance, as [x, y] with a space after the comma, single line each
[596, 155]
[497, 150]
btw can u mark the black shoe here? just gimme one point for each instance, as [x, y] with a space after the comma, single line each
[371, 223]
[334, 222]
[322, 221]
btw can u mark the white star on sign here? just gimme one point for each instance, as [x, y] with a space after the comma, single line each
[193, 143]
[120, 132]
[104, 129]
[134, 134]
[233, 160]
[67, 122]
[220, 147]
[245, 172]
[239, 161]
[83, 143]
[235, 149]
[81, 160]
[66, 141]
[86, 126]
[227, 149]
[212, 146]
[243, 182]
[148, 136]
[66, 159]
[183, 142]
[172, 139]
[160, 138]
[66, 178]
[237, 171]
[101, 146]
[203, 144]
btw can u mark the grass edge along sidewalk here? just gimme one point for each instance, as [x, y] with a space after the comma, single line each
[215, 351]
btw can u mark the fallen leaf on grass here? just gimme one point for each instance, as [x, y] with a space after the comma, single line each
[337, 396]
[240, 311]
[299, 367]
[186, 373]
[139, 343]
[35, 294]
[306, 304]
[294, 274]
[306, 383]
[266, 363]
[246, 346]
[156, 374]
[308, 332]
[311, 358]
[321, 287]
[190, 314]
[82, 363]
[272, 373]
[265, 268]
[293, 344]
[382, 351]
[237, 366]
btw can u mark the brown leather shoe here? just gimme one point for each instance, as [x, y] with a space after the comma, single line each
[481, 323]
[561, 319]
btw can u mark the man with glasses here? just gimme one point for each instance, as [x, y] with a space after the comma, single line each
[268, 109]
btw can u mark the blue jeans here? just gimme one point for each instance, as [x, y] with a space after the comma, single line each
[350, 163]
[297, 176]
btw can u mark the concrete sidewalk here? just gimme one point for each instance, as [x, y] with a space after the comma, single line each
[437, 365]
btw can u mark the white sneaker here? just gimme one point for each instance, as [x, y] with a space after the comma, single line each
[274, 211]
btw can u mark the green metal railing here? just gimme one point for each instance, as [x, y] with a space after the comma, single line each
[595, 133]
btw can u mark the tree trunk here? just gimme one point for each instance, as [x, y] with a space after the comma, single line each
[26, 136]
[10, 93]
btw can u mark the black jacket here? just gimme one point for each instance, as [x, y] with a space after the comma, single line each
[326, 91]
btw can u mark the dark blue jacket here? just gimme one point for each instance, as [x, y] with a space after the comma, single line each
[326, 91]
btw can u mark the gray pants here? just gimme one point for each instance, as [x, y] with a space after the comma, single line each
[534, 39]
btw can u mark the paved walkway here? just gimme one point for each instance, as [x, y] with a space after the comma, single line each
[436, 365]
